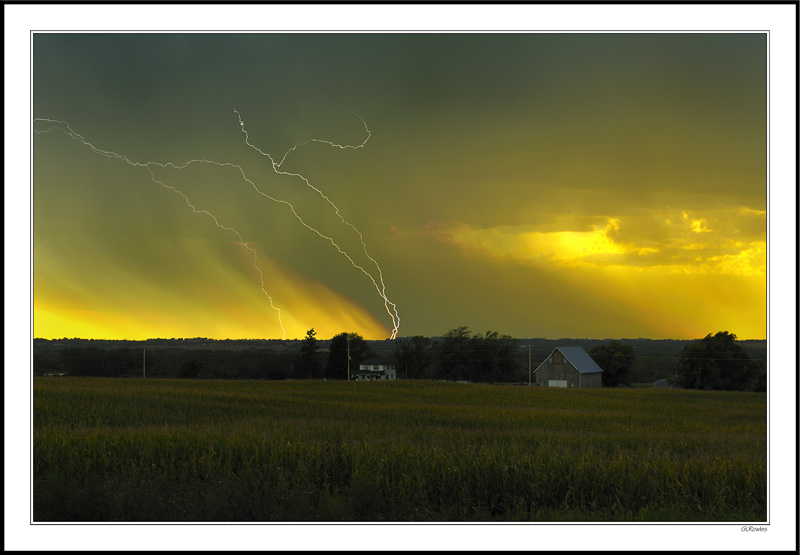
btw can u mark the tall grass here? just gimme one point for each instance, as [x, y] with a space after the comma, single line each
[184, 450]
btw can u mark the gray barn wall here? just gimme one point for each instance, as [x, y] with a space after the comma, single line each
[557, 367]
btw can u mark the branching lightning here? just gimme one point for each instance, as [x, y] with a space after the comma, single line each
[65, 128]
[276, 167]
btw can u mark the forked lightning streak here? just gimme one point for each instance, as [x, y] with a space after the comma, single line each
[65, 128]
[276, 167]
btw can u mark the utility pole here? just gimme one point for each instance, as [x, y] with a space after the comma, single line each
[348, 357]
[144, 349]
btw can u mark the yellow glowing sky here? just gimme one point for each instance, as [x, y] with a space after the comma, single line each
[540, 185]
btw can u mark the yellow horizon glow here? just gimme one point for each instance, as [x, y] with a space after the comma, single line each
[664, 280]
[305, 303]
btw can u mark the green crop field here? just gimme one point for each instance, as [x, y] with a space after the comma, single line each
[124, 450]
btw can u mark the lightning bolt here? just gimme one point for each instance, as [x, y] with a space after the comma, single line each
[65, 128]
[395, 317]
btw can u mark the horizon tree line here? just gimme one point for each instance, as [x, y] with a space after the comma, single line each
[714, 362]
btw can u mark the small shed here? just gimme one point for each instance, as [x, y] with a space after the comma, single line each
[661, 383]
[569, 367]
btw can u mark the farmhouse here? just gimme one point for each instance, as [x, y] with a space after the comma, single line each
[569, 367]
[375, 368]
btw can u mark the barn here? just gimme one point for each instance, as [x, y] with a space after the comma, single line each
[569, 367]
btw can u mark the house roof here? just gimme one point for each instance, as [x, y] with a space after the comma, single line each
[377, 360]
[579, 358]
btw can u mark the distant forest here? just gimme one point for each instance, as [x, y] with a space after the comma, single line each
[276, 359]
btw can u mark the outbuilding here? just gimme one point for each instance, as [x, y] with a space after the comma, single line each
[569, 367]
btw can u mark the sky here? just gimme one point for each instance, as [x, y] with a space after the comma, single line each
[514, 187]
[258, 185]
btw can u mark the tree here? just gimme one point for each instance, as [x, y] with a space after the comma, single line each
[190, 368]
[338, 351]
[412, 357]
[451, 355]
[616, 359]
[85, 361]
[308, 363]
[498, 360]
[716, 362]
[461, 355]
[760, 380]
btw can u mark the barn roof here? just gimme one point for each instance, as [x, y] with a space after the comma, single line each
[579, 358]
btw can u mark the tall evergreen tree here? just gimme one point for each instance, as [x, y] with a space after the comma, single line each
[308, 363]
